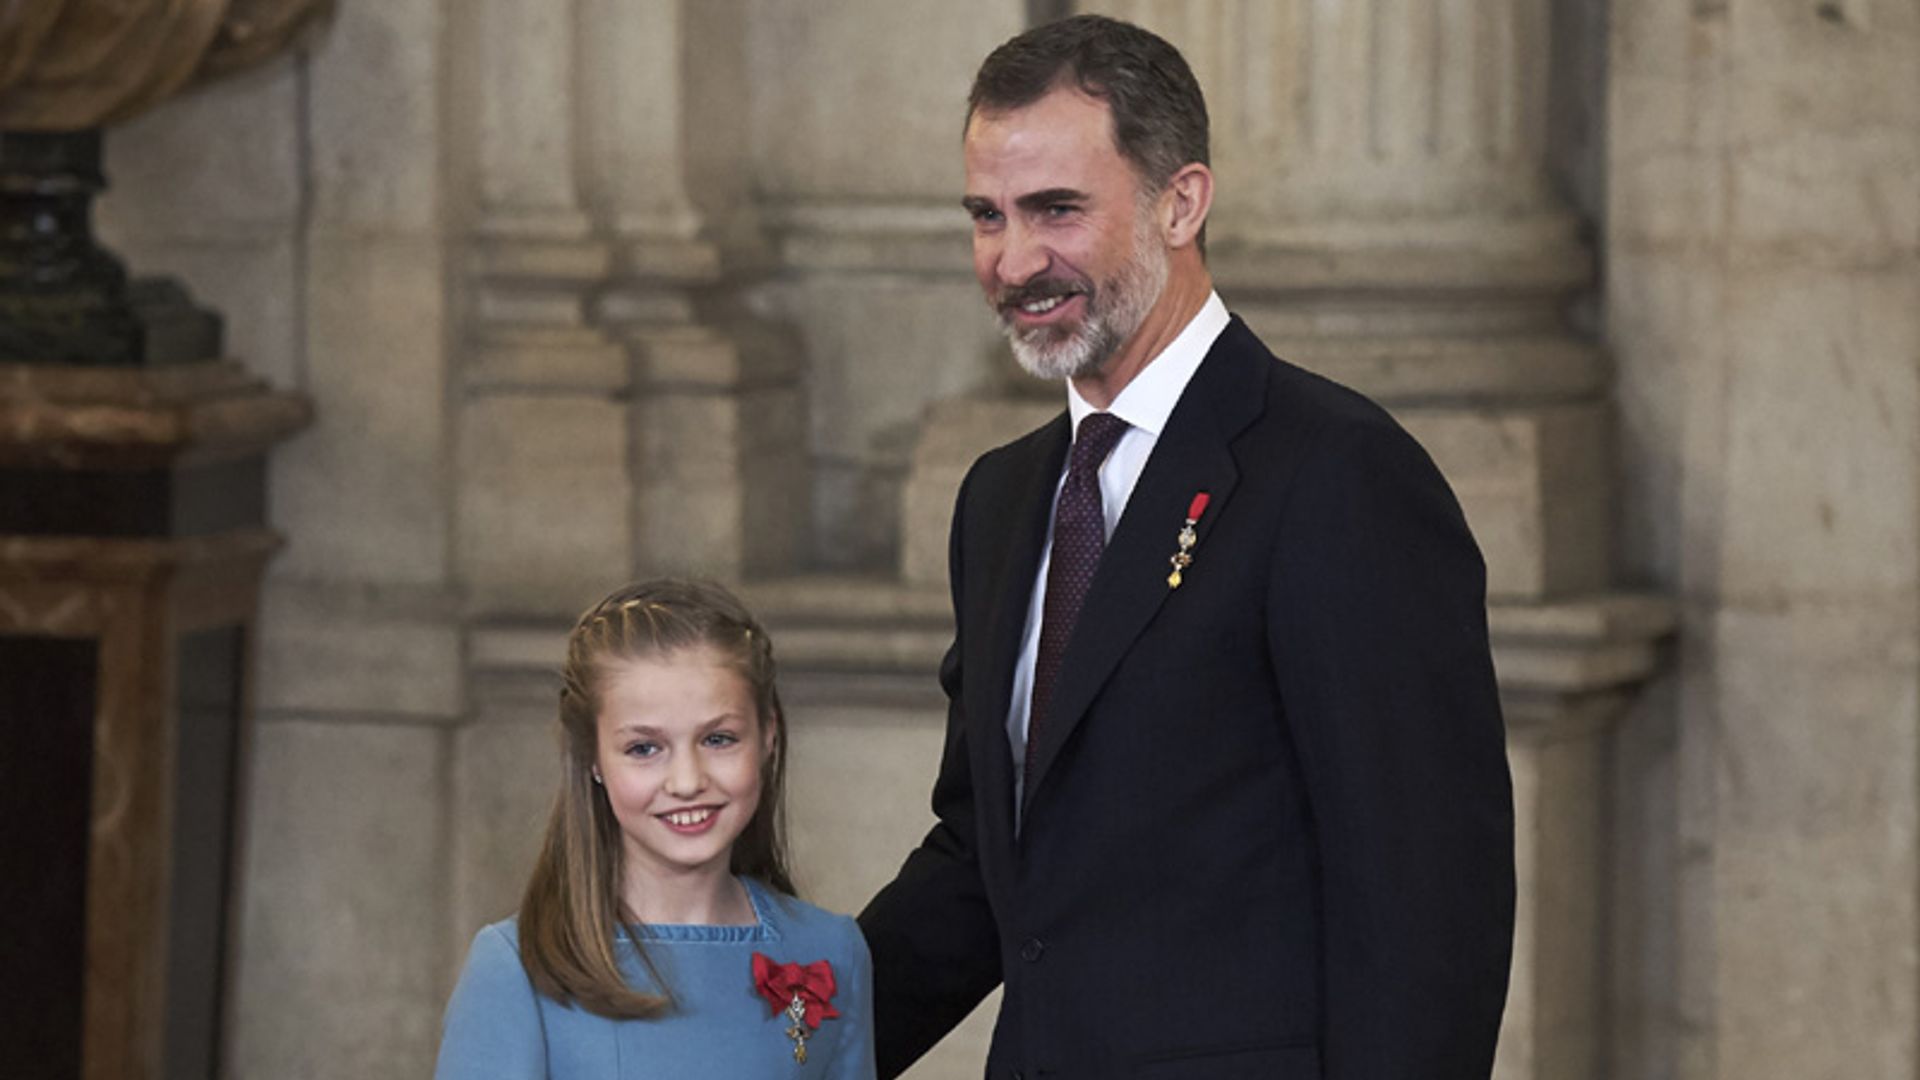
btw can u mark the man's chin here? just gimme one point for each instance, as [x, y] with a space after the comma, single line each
[1067, 357]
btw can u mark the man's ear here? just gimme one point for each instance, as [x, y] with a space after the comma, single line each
[1185, 203]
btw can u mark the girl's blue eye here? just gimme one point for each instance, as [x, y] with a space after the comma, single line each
[643, 749]
[722, 738]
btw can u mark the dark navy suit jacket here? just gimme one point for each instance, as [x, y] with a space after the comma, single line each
[1269, 830]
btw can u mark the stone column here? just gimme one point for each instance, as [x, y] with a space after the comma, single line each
[856, 161]
[1764, 299]
[544, 486]
[718, 421]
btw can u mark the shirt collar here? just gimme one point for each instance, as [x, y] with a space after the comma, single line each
[1148, 400]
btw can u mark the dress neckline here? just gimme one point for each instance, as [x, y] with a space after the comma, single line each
[762, 928]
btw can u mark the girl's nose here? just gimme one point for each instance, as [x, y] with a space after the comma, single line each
[686, 775]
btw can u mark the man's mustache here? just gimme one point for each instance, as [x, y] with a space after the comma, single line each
[1032, 292]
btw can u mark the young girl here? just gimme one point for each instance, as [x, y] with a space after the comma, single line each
[659, 937]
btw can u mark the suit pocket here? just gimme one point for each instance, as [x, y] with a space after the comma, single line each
[1283, 1061]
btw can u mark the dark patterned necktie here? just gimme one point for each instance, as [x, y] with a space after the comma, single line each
[1079, 536]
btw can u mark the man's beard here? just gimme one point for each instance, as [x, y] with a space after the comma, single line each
[1115, 308]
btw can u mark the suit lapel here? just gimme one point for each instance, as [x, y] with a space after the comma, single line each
[1226, 394]
[1028, 509]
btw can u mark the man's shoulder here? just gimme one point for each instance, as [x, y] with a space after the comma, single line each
[1286, 400]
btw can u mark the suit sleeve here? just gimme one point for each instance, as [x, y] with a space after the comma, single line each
[1379, 641]
[492, 1030]
[931, 932]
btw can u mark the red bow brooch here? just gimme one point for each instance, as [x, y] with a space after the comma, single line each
[803, 992]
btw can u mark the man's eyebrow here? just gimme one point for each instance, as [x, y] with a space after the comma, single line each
[1040, 200]
[1036, 200]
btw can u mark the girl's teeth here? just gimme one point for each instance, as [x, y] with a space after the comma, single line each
[689, 817]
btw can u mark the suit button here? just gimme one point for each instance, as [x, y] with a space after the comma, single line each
[1030, 952]
[1016, 1074]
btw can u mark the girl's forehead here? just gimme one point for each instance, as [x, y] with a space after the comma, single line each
[699, 679]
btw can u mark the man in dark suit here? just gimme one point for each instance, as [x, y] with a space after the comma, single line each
[1225, 790]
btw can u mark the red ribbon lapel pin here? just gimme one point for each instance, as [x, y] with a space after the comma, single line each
[803, 992]
[1187, 538]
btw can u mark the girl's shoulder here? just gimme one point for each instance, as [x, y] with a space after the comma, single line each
[495, 954]
[497, 938]
[799, 921]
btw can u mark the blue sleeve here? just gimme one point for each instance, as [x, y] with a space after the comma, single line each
[856, 1061]
[492, 1029]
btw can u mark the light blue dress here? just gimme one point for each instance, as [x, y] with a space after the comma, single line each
[499, 1028]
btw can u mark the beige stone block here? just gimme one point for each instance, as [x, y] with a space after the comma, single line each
[1816, 815]
[1463, 368]
[544, 501]
[1666, 195]
[880, 349]
[776, 496]
[363, 489]
[720, 426]
[342, 951]
[1671, 359]
[1642, 918]
[1815, 957]
[1533, 484]
[1817, 192]
[1551, 1026]
[821, 63]
[520, 304]
[954, 434]
[325, 648]
[547, 357]
[858, 783]
[506, 772]
[221, 163]
[376, 86]
[690, 488]
[1816, 706]
[1823, 419]
[207, 189]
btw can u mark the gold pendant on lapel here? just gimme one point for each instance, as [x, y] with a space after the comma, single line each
[1187, 538]
[797, 1031]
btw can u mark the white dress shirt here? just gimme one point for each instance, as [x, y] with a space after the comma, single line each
[1144, 403]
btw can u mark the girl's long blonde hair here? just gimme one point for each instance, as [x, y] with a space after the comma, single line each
[571, 913]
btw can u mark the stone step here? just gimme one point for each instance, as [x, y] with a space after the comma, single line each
[1592, 644]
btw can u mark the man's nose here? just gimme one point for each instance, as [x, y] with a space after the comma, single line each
[1022, 255]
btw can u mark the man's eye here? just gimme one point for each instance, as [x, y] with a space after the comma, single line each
[986, 217]
[1061, 209]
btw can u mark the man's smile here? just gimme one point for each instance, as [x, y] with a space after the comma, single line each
[1043, 303]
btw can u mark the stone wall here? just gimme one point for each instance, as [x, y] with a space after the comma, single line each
[593, 289]
[1763, 300]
